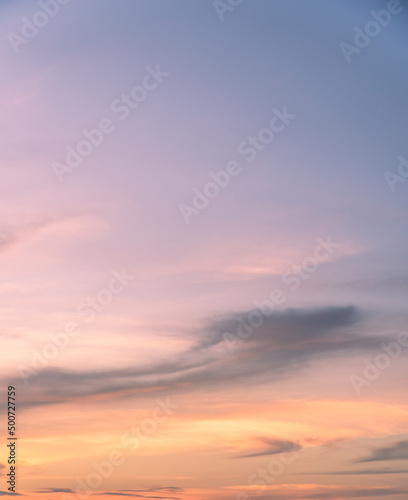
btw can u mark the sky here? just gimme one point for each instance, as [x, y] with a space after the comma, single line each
[203, 248]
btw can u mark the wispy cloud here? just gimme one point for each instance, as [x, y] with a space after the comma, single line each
[55, 490]
[331, 493]
[396, 451]
[273, 447]
[145, 493]
[286, 343]
[359, 472]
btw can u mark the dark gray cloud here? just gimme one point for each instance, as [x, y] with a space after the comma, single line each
[146, 493]
[357, 472]
[339, 494]
[357, 493]
[283, 344]
[273, 447]
[140, 493]
[396, 281]
[55, 490]
[396, 451]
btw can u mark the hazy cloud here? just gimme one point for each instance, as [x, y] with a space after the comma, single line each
[336, 493]
[146, 493]
[396, 451]
[56, 490]
[273, 447]
[286, 342]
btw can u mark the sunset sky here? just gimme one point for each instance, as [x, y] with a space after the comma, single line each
[203, 248]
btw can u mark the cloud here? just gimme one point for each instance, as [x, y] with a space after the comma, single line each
[7, 239]
[133, 495]
[358, 493]
[145, 493]
[13, 235]
[359, 472]
[285, 343]
[68, 224]
[55, 490]
[331, 493]
[273, 447]
[396, 451]
[285, 327]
